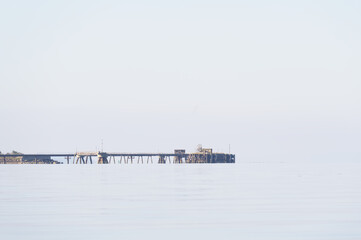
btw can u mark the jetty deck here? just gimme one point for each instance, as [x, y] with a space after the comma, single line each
[203, 155]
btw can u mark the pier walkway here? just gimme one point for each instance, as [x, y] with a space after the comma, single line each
[179, 156]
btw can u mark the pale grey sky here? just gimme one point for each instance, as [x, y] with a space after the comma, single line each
[278, 80]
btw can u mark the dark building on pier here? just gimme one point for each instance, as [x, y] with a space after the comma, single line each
[203, 155]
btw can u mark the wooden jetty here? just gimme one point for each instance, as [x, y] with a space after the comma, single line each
[203, 155]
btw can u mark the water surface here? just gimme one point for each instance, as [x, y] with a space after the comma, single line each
[199, 201]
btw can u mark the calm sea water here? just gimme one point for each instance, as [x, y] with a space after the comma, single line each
[221, 201]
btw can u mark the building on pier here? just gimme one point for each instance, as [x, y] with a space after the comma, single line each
[206, 155]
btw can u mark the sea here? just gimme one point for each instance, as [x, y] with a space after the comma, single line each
[247, 200]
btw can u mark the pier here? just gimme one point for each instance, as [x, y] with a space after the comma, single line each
[179, 156]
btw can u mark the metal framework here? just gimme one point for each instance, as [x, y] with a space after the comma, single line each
[128, 158]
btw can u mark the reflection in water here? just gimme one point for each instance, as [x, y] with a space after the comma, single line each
[247, 200]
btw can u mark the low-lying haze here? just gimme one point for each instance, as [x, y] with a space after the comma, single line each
[277, 81]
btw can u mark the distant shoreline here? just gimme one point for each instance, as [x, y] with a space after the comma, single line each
[20, 160]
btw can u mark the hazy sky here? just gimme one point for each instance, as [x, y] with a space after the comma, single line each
[278, 80]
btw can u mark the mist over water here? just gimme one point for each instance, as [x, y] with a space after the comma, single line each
[188, 201]
[276, 81]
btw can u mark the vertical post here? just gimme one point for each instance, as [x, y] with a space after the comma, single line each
[162, 159]
[103, 158]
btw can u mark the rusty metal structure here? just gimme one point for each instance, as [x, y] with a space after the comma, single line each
[202, 155]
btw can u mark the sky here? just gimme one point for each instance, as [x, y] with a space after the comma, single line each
[269, 80]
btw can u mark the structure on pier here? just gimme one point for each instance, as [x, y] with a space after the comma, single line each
[202, 155]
